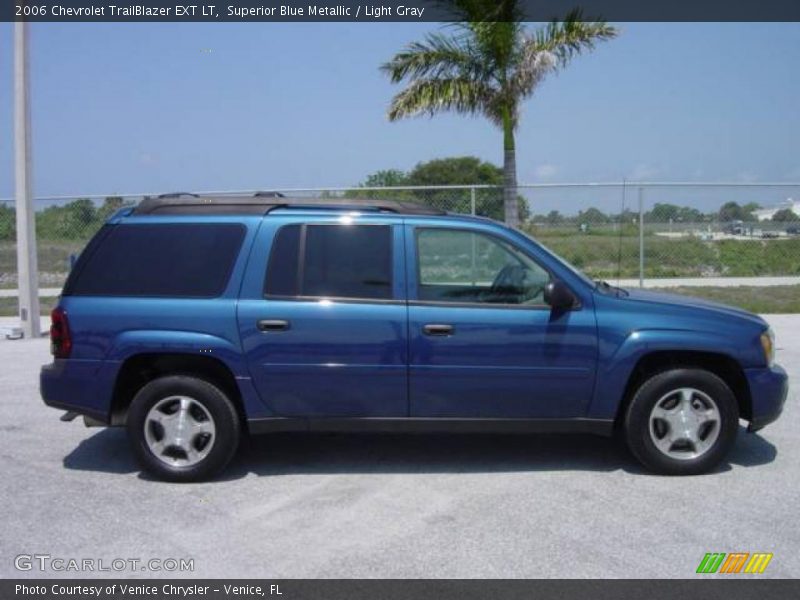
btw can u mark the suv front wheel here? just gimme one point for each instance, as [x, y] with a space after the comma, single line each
[682, 422]
[183, 428]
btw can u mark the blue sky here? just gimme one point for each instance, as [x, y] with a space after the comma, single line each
[144, 108]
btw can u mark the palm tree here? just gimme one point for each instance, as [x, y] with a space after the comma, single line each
[488, 66]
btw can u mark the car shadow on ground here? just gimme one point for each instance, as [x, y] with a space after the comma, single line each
[325, 453]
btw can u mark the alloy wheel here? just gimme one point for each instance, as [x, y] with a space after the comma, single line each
[684, 423]
[179, 431]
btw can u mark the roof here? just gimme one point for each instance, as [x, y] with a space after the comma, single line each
[266, 202]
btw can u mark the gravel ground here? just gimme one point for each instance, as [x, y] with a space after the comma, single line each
[392, 506]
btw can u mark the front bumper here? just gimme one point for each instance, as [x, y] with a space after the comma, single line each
[769, 388]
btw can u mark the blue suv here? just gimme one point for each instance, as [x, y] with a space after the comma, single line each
[195, 320]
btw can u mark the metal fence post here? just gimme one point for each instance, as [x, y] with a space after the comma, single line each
[27, 264]
[472, 201]
[641, 237]
[473, 211]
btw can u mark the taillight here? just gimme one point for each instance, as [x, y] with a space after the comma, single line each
[60, 339]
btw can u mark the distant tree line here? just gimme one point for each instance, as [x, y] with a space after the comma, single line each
[7, 222]
[76, 220]
[785, 215]
[79, 219]
[668, 213]
[460, 170]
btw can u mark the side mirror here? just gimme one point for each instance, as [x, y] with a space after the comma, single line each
[559, 296]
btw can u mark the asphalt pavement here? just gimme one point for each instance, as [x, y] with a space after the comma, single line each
[413, 506]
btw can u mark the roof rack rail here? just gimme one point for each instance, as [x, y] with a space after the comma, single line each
[173, 204]
[178, 195]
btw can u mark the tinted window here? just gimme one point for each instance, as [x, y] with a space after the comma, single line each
[464, 266]
[337, 261]
[282, 278]
[176, 260]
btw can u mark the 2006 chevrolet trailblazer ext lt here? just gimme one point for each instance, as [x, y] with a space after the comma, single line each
[193, 320]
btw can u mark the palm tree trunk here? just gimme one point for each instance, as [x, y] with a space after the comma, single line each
[509, 172]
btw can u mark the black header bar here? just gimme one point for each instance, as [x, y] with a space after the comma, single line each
[387, 10]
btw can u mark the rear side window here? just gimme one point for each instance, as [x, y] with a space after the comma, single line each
[335, 261]
[189, 260]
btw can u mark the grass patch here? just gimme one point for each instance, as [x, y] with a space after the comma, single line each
[758, 299]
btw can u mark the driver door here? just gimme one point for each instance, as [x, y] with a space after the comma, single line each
[483, 344]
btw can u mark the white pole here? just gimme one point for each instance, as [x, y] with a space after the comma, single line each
[27, 267]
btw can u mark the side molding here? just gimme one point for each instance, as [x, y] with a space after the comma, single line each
[603, 427]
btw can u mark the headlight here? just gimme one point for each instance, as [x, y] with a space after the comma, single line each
[768, 343]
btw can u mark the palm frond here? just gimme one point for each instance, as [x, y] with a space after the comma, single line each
[432, 95]
[437, 56]
[494, 27]
[495, 109]
[572, 36]
[485, 11]
[497, 42]
[532, 66]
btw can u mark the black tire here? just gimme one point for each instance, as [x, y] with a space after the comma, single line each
[636, 425]
[211, 399]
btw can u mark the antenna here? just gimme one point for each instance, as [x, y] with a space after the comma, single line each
[621, 226]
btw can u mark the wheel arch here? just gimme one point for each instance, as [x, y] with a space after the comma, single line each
[139, 369]
[722, 365]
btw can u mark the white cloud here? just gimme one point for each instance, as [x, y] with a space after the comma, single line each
[546, 171]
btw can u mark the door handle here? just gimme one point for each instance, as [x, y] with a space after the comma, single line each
[272, 325]
[441, 329]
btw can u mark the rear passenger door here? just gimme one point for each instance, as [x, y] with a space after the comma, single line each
[323, 318]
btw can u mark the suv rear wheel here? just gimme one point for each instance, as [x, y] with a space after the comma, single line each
[183, 428]
[682, 422]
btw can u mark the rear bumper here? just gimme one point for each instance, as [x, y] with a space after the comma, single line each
[769, 388]
[81, 386]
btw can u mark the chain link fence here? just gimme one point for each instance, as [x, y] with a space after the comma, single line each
[612, 231]
[670, 230]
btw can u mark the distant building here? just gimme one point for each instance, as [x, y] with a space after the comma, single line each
[765, 214]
